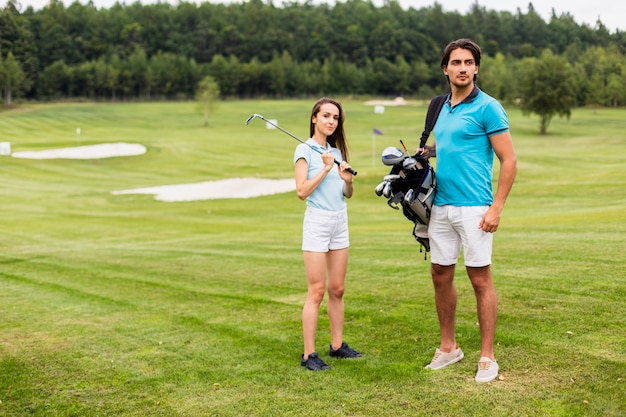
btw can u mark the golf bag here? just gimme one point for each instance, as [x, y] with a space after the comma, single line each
[411, 184]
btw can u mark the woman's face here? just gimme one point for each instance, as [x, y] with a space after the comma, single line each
[327, 119]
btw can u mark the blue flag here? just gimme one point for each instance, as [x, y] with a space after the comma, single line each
[377, 132]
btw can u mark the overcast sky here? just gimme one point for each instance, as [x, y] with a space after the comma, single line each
[612, 13]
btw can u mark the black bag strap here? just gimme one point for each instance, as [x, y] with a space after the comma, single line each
[434, 108]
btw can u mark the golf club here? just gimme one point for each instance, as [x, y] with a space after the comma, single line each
[392, 156]
[408, 197]
[387, 190]
[350, 170]
[405, 149]
[409, 162]
[379, 188]
[391, 177]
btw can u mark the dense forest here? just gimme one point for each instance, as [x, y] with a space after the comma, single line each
[256, 48]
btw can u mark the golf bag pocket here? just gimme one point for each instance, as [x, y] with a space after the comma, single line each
[420, 233]
[418, 202]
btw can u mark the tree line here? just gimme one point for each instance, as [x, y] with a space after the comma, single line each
[252, 48]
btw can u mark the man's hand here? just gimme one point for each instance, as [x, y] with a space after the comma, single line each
[491, 220]
[427, 152]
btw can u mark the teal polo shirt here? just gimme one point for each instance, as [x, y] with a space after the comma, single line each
[329, 194]
[464, 152]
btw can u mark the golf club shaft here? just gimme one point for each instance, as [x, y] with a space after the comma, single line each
[350, 170]
[405, 149]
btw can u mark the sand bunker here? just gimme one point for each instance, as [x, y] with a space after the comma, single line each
[229, 188]
[398, 101]
[104, 150]
[209, 190]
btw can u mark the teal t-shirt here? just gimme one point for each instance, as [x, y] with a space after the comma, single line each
[329, 194]
[464, 152]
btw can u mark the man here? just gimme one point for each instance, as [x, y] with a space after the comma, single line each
[471, 127]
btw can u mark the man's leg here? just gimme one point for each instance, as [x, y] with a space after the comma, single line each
[487, 307]
[445, 301]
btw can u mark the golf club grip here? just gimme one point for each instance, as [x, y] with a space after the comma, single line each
[350, 170]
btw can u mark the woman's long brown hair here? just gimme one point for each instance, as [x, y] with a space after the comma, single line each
[338, 138]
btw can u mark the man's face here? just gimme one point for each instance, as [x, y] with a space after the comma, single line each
[461, 68]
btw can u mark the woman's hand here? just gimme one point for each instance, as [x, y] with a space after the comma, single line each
[344, 173]
[328, 160]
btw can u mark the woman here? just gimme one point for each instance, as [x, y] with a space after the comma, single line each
[325, 238]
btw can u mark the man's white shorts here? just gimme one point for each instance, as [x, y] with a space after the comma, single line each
[451, 227]
[324, 230]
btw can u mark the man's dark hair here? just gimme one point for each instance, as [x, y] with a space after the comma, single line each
[462, 43]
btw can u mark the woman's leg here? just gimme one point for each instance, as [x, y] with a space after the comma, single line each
[337, 261]
[315, 268]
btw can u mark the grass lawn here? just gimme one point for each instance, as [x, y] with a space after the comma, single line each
[116, 305]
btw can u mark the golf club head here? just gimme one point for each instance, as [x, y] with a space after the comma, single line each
[408, 197]
[387, 189]
[379, 188]
[392, 155]
[409, 163]
[255, 115]
[391, 177]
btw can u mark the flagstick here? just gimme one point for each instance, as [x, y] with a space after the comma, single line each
[373, 148]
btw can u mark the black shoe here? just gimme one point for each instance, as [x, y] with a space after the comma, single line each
[344, 351]
[314, 363]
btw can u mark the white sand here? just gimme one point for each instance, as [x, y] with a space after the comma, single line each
[229, 188]
[209, 190]
[104, 150]
[398, 101]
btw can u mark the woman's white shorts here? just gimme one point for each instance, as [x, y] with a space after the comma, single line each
[324, 230]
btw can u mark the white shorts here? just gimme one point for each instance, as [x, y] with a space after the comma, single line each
[450, 228]
[324, 230]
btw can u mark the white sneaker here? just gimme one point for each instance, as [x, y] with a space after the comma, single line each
[443, 359]
[487, 370]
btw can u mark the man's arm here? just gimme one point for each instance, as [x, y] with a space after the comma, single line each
[503, 147]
